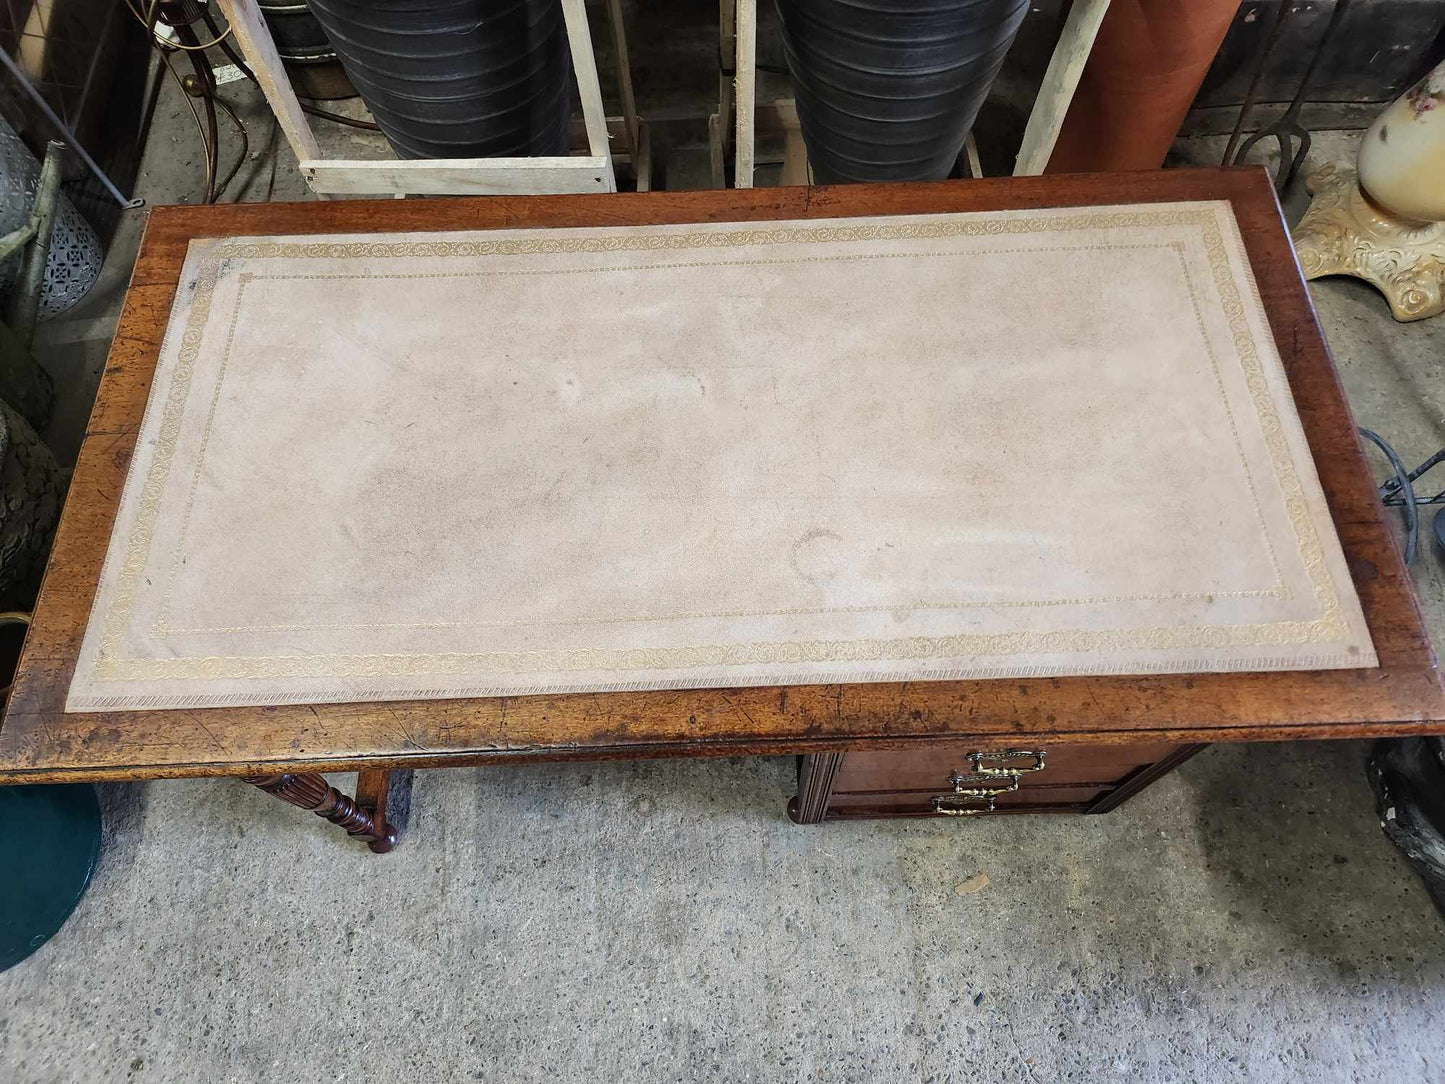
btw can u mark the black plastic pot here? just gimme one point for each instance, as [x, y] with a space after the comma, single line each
[888, 89]
[297, 34]
[458, 78]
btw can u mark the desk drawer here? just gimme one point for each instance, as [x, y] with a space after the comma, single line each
[982, 777]
[930, 769]
[919, 803]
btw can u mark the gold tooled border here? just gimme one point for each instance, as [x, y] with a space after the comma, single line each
[1329, 626]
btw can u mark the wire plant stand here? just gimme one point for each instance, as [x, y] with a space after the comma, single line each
[1399, 492]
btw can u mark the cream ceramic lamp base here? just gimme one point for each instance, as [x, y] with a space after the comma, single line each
[1344, 232]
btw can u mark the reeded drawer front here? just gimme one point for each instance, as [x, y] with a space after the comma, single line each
[966, 779]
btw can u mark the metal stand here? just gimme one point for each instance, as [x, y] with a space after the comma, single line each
[1399, 492]
[1288, 127]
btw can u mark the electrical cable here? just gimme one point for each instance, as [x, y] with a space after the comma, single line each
[245, 147]
[1406, 491]
[205, 76]
[206, 82]
[200, 127]
[205, 73]
[771, 69]
[226, 46]
[326, 114]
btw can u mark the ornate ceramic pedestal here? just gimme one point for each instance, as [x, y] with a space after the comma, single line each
[1346, 233]
[1386, 222]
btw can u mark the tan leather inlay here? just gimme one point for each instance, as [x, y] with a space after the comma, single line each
[865, 449]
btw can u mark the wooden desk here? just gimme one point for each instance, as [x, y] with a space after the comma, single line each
[868, 749]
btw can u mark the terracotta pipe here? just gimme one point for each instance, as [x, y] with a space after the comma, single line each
[1141, 78]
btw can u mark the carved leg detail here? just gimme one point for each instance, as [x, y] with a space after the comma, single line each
[314, 793]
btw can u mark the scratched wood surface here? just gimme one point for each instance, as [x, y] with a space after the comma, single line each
[39, 741]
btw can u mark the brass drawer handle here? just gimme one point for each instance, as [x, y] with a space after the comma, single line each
[956, 804]
[958, 782]
[1003, 756]
[961, 802]
[950, 805]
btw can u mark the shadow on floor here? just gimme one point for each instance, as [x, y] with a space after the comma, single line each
[1290, 843]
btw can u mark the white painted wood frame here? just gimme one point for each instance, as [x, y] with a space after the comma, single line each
[745, 80]
[1066, 66]
[439, 176]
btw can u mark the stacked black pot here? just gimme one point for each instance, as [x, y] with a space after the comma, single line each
[458, 78]
[888, 89]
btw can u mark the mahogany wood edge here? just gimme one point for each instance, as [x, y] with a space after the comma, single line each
[170, 228]
[630, 208]
[69, 512]
[468, 758]
[90, 430]
[1143, 777]
[1355, 449]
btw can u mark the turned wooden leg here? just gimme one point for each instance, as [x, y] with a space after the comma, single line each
[360, 820]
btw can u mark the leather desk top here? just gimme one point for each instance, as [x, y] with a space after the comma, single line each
[1201, 514]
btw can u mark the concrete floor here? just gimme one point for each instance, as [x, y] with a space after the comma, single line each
[1244, 920]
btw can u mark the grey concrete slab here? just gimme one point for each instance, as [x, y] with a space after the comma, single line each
[1244, 920]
